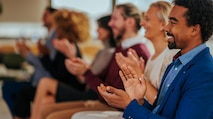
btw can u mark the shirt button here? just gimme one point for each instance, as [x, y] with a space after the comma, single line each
[176, 68]
[130, 117]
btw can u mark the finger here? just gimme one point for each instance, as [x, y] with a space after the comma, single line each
[112, 90]
[64, 40]
[123, 78]
[133, 52]
[132, 72]
[118, 57]
[72, 66]
[126, 71]
[72, 49]
[103, 93]
[102, 87]
[142, 64]
[132, 57]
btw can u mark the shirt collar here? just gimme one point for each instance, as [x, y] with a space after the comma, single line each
[184, 59]
[132, 41]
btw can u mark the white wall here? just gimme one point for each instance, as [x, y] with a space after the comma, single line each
[22, 18]
[22, 10]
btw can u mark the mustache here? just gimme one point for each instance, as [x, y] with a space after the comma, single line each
[169, 34]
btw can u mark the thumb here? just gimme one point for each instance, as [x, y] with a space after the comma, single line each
[112, 90]
[142, 64]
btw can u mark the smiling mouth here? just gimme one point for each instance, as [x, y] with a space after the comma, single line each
[169, 36]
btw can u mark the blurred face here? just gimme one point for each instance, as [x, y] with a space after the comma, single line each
[177, 30]
[103, 34]
[47, 19]
[152, 24]
[117, 23]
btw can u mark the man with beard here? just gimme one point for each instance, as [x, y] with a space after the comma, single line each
[125, 24]
[186, 87]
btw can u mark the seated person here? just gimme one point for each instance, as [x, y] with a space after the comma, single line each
[56, 67]
[10, 88]
[100, 62]
[126, 32]
[185, 91]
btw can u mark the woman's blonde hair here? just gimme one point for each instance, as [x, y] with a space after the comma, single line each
[163, 9]
[73, 25]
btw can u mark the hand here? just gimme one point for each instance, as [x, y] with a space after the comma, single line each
[115, 97]
[132, 60]
[65, 47]
[81, 78]
[76, 66]
[22, 48]
[43, 50]
[134, 85]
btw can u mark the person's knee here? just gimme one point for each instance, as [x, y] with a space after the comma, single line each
[44, 81]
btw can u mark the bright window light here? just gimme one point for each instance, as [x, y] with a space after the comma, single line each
[92, 7]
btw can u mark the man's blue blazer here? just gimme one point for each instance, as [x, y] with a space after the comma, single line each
[190, 96]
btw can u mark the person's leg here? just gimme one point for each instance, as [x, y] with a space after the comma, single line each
[9, 90]
[45, 93]
[22, 104]
[48, 109]
[67, 113]
[68, 93]
[58, 92]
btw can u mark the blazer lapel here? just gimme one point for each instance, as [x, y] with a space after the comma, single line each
[180, 76]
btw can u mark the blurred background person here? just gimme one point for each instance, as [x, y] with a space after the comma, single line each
[72, 27]
[56, 67]
[10, 88]
[125, 24]
[100, 62]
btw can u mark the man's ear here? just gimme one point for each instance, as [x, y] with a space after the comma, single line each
[130, 21]
[195, 30]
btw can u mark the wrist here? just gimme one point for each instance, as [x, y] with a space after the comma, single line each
[140, 101]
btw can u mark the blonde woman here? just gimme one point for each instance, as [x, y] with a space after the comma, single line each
[154, 22]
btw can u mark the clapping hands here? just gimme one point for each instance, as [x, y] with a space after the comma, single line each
[65, 47]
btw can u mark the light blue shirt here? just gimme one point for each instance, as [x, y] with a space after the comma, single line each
[178, 65]
[39, 70]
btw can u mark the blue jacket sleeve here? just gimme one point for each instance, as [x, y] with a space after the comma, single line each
[136, 111]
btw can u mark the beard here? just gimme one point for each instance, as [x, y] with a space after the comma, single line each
[120, 35]
[172, 45]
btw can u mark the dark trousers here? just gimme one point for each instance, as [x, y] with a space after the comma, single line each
[24, 98]
[9, 91]
[67, 93]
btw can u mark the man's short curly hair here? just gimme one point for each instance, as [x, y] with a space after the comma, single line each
[199, 12]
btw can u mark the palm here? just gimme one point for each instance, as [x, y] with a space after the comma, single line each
[134, 87]
[65, 47]
[131, 60]
[76, 66]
